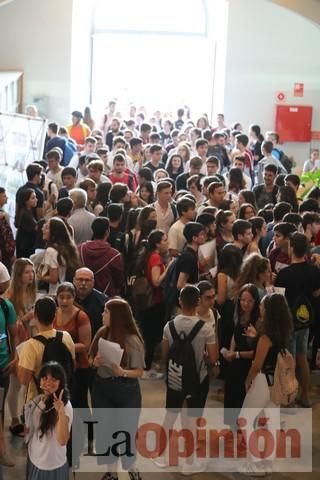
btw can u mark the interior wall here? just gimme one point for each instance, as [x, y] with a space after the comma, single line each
[269, 49]
[35, 36]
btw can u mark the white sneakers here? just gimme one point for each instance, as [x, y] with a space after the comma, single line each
[187, 468]
[151, 375]
[256, 469]
[162, 461]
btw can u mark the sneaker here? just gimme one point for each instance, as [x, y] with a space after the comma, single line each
[110, 476]
[192, 468]
[251, 469]
[151, 375]
[156, 367]
[266, 466]
[134, 474]
[162, 461]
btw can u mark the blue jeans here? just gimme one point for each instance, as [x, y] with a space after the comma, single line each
[299, 342]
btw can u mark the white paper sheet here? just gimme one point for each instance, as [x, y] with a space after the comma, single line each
[110, 352]
[213, 272]
[207, 249]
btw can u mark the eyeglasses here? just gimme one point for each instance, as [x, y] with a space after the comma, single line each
[83, 280]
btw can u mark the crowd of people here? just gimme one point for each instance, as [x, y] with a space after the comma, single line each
[137, 230]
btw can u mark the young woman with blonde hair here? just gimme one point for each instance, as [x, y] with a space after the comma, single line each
[22, 294]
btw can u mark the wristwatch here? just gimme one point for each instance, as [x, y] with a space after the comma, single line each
[237, 355]
[125, 374]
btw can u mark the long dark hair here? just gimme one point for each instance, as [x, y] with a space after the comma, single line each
[230, 261]
[60, 240]
[257, 131]
[287, 194]
[252, 289]
[49, 416]
[222, 218]
[277, 322]
[149, 187]
[236, 180]
[102, 196]
[169, 167]
[143, 223]
[154, 238]
[23, 197]
[249, 197]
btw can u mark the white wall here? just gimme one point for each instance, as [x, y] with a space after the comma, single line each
[35, 36]
[269, 49]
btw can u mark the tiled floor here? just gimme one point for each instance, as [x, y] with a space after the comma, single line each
[153, 396]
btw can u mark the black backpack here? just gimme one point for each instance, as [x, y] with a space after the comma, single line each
[302, 312]
[182, 372]
[56, 351]
[169, 284]
[139, 291]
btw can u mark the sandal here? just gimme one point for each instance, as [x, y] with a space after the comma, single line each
[17, 430]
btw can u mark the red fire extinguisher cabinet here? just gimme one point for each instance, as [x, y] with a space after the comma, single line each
[293, 123]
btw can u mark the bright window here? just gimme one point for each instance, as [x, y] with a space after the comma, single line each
[153, 53]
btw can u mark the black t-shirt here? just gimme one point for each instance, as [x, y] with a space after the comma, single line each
[117, 239]
[188, 263]
[93, 305]
[153, 168]
[263, 197]
[181, 181]
[299, 279]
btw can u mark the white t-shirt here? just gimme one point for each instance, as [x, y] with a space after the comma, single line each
[55, 177]
[45, 453]
[51, 260]
[206, 336]
[164, 218]
[176, 238]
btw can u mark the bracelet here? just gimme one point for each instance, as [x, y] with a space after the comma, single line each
[237, 355]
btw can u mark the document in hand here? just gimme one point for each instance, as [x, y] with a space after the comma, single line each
[110, 352]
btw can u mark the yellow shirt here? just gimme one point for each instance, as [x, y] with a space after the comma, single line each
[31, 353]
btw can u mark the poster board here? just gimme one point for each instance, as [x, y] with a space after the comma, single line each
[21, 142]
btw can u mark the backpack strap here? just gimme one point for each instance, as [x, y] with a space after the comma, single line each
[173, 331]
[174, 210]
[41, 339]
[59, 333]
[6, 314]
[44, 340]
[195, 330]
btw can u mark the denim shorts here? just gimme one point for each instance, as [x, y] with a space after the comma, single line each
[299, 342]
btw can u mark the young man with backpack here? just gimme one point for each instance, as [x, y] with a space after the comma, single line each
[49, 344]
[301, 281]
[186, 340]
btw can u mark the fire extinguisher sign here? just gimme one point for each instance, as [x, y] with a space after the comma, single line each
[298, 89]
